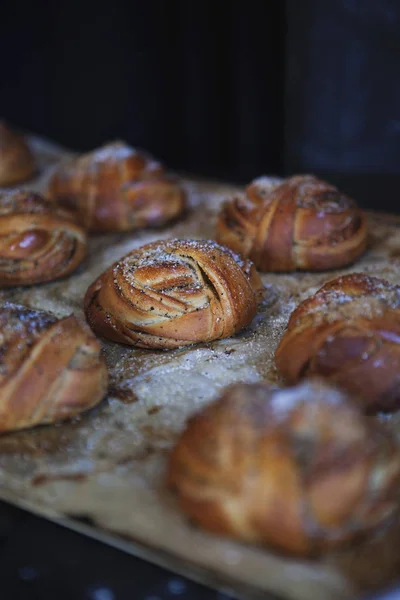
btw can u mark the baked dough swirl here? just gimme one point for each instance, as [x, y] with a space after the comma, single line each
[50, 369]
[173, 293]
[303, 223]
[38, 242]
[117, 188]
[348, 333]
[299, 469]
[17, 163]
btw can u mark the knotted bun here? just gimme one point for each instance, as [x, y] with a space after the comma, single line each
[38, 242]
[348, 333]
[17, 163]
[303, 223]
[117, 188]
[173, 293]
[299, 469]
[50, 369]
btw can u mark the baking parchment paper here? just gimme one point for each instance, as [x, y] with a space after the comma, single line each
[103, 474]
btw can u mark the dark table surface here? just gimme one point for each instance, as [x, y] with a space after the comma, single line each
[44, 561]
[40, 560]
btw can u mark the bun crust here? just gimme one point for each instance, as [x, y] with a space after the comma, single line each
[117, 188]
[303, 223]
[348, 333]
[38, 243]
[299, 469]
[16, 159]
[51, 369]
[173, 293]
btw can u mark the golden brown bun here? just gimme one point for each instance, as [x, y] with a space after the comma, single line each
[50, 369]
[173, 293]
[16, 160]
[348, 333]
[303, 223]
[299, 469]
[38, 242]
[116, 188]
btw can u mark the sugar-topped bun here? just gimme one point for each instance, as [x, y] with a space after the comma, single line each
[50, 369]
[38, 241]
[117, 188]
[302, 223]
[299, 468]
[173, 293]
[348, 333]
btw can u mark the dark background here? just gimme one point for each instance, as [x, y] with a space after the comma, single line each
[231, 89]
[225, 88]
